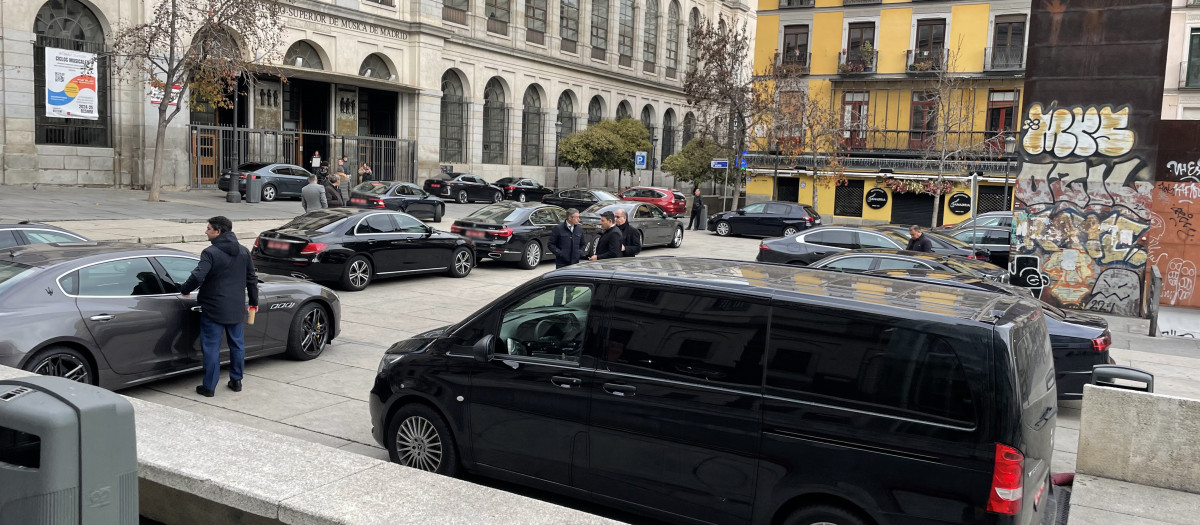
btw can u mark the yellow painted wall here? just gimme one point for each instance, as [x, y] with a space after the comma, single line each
[895, 30]
[968, 36]
[824, 198]
[829, 3]
[766, 42]
[871, 214]
[760, 185]
[767, 5]
[826, 41]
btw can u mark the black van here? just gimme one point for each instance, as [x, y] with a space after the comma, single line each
[707, 391]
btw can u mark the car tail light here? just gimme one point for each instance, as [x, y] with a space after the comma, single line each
[502, 232]
[313, 248]
[378, 203]
[1102, 343]
[510, 188]
[971, 256]
[243, 176]
[457, 229]
[256, 242]
[763, 247]
[544, 198]
[1007, 475]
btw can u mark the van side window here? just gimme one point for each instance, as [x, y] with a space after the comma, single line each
[548, 323]
[868, 363]
[685, 336]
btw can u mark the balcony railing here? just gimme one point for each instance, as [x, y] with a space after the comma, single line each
[534, 36]
[899, 165]
[926, 60]
[1189, 74]
[798, 3]
[861, 2]
[450, 14]
[497, 26]
[793, 63]
[1009, 58]
[857, 62]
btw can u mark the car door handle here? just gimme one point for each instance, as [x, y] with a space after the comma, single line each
[103, 317]
[197, 309]
[620, 390]
[566, 382]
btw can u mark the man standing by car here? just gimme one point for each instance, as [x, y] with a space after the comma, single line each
[697, 221]
[333, 192]
[609, 245]
[917, 241]
[566, 240]
[631, 238]
[225, 270]
[312, 196]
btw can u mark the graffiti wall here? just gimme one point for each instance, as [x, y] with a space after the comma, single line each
[1172, 242]
[1088, 149]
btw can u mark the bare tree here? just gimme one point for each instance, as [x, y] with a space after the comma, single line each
[200, 48]
[719, 83]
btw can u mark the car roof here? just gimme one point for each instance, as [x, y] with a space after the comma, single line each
[29, 225]
[784, 281]
[618, 204]
[927, 256]
[515, 204]
[51, 254]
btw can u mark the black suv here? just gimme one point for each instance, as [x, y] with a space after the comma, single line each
[698, 390]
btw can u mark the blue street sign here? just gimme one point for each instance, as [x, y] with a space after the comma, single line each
[743, 163]
[639, 160]
[719, 164]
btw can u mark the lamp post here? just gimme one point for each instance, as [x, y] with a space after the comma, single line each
[1010, 147]
[653, 155]
[557, 135]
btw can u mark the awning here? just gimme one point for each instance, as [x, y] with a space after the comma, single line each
[336, 78]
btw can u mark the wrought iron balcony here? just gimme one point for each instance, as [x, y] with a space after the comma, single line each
[926, 60]
[1189, 74]
[793, 63]
[1007, 58]
[857, 62]
[568, 46]
[861, 2]
[797, 3]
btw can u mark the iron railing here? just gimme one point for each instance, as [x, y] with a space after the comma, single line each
[861, 2]
[567, 46]
[671, 73]
[599, 53]
[874, 164]
[1189, 74]
[1006, 58]
[798, 3]
[926, 60]
[856, 62]
[793, 62]
[625, 60]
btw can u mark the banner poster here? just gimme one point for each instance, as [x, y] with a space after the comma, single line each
[71, 84]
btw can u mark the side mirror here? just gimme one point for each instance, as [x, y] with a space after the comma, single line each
[484, 349]
[741, 212]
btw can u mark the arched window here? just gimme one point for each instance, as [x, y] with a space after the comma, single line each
[648, 118]
[569, 24]
[566, 114]
[595, 111]
[624, 110]
[672, 39]
[693, 23]
[689, 128]
[625, 33]
[599, 29]
[70, 26]
[495, 123]
[454, 118]
[531, 128]
[668, 137]
[721, 27]
[303, 54]
[374, 66]
[650, 37]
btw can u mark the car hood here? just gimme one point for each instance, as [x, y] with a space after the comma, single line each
[418, 342]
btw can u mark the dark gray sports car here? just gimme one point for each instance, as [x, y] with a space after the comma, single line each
[110, 314]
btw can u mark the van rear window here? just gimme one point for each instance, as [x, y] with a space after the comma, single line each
[1034, 359]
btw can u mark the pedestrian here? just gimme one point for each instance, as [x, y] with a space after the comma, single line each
[341, 174]
[917, 241]
[609, 245]
[697, 211]
[333, 193]
[225, 277]
[364, 173]
[312, 196]
[566, 240]
[316, 160]
[631, 238]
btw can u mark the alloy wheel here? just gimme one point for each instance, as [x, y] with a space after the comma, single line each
[497, 197]
[268, 193]
[521, 197]
[418, 444]
[790, 231]
[65, 366]
[462, 262]
[678, 240]
[314, 326]
[533, 254]
[722, 228]
[360, 273]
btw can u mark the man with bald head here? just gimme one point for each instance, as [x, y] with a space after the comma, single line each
[631, 238]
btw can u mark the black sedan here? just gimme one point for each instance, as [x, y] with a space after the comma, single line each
[765, 218]
[354, 247]
[398, 196]
[522, 190]
[464, 188]
[578, 198]
[1079, 340]
[516, 231]
[941, 243]
[811, 245]
[996, 240]
[110, 314]
[882, 259]
[25, 232]
[652, 223]
[279, 180]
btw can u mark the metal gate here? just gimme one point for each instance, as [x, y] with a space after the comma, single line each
[389, 158]
[912, 208]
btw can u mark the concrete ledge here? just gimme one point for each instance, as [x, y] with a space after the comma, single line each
[1101, 501]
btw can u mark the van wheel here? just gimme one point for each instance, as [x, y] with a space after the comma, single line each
[824, 515]
[418, 437]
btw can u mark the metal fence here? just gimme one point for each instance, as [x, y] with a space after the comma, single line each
[908, 165]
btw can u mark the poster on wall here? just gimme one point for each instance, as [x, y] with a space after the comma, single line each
[71, 84]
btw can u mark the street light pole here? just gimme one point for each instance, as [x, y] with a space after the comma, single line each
[557, 136]
[653, 156]
[1010, 147]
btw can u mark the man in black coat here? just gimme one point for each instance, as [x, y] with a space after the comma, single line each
[697, 211]
[333, 192]
[566, 240]
[917, 241]
[631, 238]
[609, 245]
[224, 276]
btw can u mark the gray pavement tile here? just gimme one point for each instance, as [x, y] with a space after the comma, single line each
[1066, 439]
[148, 393]
[286, 370]
[365, 334]
[1089, 516]
[1062, 462]
[1068, 417]
[268, 425]
[260, 397]
[371, 451]
[351, 382]
[360, 356]
[349, 420]
[1138, 501]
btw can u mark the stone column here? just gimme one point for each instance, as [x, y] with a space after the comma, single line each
[17, 149]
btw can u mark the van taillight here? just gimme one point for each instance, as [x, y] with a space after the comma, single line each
[1102, 343]
[1007, 475]
[313, 248]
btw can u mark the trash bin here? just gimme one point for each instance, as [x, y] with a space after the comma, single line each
[68, 454]
[254, 184]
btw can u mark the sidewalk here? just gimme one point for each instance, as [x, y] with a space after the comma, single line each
[55, 203]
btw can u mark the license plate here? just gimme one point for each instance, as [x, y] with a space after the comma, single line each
[818, 221]
[476, 233]
[277, 245]
[435, 185]
[358, 201]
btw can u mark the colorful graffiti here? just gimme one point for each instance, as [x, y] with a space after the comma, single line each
[1172, 240]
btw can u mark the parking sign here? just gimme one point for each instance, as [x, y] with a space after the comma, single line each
[639, 160]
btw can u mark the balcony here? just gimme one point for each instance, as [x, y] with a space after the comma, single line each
[857, 62]
[497, 26]
[1003, 59]
[793, 63]
[797, 3]
[1189, 74]
[926, 61]
[458, 16]
[861, 2]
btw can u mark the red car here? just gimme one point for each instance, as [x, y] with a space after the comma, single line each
[671, 201]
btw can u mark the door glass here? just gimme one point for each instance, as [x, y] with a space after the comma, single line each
[656, 212]
[542, 217]
[755, 208]
[408, 224]
[870, 240]
[123, 278]
[989, 221]
[643, 212]
[282, 171]
[548, 324]
[995, 237]
[45, 236]
[897, 264]
[378, 223]
[969, 236]
[178, 269]
[778, 209]
[850, 263]
[7, 239]
[835, 238]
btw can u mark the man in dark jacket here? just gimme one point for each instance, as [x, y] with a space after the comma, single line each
[225, 276]
[333, 192]
[609, 245]
[697, 212]
[631, 238]
[917, 241]
[566, 240]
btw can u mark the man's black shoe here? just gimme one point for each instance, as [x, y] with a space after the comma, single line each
[236, 386]
[204, 391]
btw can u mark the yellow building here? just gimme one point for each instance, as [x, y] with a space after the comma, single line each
[880, 65]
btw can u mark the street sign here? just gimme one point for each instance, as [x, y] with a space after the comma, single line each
[639, 160]
[719, 164]
[743, 165]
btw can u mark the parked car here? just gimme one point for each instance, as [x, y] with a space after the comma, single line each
[463, 188]
[25, 232]
[656, 228]
[712, 391]
[522, 190]
[942, 243]
[765, 218]
[671, 201]
[886, 259]
[398, 196]
[515, 231]
[812, 244]
[992, 218]
[1079, 340]
[279, 180]
[110, 314]
[578, 198]
[998, 241]
[353, 247]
